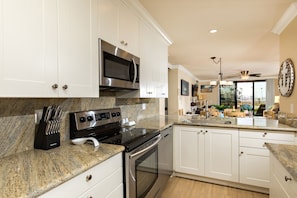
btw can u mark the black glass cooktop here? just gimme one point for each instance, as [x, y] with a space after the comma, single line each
[131, 138]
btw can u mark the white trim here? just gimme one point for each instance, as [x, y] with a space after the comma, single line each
[183, 69]
[142, 12]
[286, 18]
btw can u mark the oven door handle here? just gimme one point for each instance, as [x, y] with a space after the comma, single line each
[147, 148]
[135, 71]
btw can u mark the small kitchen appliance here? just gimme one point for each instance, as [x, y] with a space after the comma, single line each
[118, 69]
[141, 147]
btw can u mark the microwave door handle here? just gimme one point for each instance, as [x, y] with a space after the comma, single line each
[135, 70]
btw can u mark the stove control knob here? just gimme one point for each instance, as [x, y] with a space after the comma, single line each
[113, 114]
[118, 113]
[82, 119]
[90, 118]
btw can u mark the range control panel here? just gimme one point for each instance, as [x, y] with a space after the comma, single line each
[93, 118]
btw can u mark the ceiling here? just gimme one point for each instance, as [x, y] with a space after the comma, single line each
[244, 40]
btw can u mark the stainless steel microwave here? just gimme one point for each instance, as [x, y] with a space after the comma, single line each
[118, 69]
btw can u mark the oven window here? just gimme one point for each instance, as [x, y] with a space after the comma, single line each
[146, 172]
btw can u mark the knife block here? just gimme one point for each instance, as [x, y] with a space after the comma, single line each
[45, 139]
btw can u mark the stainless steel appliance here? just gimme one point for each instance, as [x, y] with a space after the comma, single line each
[165, 157]
[118, 69]
[141, 170]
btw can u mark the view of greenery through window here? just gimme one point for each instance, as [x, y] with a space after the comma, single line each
[245, 95]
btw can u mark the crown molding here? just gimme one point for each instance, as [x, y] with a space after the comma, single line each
[183, 69]
[286, 18]
[143, 13]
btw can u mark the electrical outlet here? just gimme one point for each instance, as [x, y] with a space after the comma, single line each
[38, 115]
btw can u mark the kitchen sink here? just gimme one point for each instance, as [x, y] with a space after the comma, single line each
[211, 121]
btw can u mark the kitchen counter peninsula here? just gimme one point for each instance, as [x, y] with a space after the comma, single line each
[256, 123]
[32, 173]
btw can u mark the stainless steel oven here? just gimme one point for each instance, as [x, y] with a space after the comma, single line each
[141, 165]
[142, 170]
[118, 69]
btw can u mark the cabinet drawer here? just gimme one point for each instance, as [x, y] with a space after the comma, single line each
[109, 187]
[260, 143]
[88, 179]
[280, 174]
[267, 135]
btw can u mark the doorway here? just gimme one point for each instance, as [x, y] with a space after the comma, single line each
[249, 96]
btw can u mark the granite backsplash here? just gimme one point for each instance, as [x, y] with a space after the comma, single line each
[17, 116]
[287, 119]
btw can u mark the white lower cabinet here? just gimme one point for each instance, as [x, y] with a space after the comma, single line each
[254, 156]
[103, 180]
[282, 184]
[211, 152]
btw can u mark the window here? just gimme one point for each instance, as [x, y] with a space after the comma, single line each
[245, 95]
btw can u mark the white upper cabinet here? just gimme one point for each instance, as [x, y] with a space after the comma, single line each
[119, 25]
[28, 48]
[78, 48]
[47, 49]
[153, 52]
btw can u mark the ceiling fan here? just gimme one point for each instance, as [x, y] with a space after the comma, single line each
[245, 74]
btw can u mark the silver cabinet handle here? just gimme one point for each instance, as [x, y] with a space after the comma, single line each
[55, 86]
[88, 178]
[65, 87]
[124, 43]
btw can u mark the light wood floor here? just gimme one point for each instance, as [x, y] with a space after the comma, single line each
[185, 188]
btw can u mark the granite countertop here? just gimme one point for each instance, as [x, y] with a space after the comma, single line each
[32, 173]
[162, 122]
[286, 155]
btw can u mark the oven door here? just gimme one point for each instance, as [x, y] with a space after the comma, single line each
[142, 169]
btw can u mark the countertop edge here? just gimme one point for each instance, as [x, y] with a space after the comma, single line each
[282, 153]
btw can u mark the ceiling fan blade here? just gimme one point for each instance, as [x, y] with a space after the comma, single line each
[255, 75]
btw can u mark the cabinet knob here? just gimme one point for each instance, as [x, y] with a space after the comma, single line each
[124, 43]
[65, 87]
[88, 177]
[288, 178]
[264, 134]
[55, 86]
[241, 153]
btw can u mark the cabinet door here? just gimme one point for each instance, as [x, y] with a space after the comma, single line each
[254, 166]
[162, 66]
[148, 69]
[221, 154]
[78, 48]
[128, 29]
[108, 14]
[188, 150]
[28, 48]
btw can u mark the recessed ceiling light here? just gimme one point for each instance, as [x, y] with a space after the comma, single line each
[213, 31]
